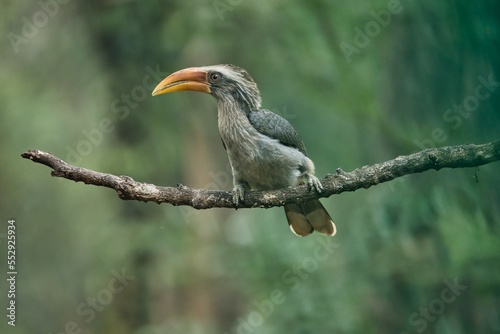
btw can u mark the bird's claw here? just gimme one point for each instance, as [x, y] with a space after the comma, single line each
[313, 183]
[238, 194]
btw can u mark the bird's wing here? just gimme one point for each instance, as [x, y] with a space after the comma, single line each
[276, 127]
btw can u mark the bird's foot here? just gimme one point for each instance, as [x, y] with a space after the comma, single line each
[313, 182]
[238, 193]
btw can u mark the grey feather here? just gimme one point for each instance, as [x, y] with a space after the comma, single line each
[276, 127]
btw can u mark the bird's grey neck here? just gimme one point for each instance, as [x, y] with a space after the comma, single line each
[247, 102]
[242, 103]
[230, 111]
[234, 125]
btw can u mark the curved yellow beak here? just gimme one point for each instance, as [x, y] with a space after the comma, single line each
[192, 78]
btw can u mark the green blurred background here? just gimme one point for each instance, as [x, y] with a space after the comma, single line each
[362, 82]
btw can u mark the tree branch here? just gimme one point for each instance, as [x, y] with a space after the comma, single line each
[436, 158]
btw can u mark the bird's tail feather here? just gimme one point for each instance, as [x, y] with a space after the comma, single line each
[303, 219]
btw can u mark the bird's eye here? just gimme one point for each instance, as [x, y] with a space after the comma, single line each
[215, 77]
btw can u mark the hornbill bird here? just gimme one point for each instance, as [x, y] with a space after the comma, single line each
[264, 150]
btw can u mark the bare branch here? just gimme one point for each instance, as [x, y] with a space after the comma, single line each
[444, 157]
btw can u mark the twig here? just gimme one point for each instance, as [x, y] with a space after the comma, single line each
[444, 157]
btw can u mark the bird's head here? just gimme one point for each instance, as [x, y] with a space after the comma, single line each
[227, 83]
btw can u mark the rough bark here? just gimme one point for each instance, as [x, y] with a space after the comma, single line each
[364, 177]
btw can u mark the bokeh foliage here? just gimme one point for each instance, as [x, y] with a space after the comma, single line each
[211, 271]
